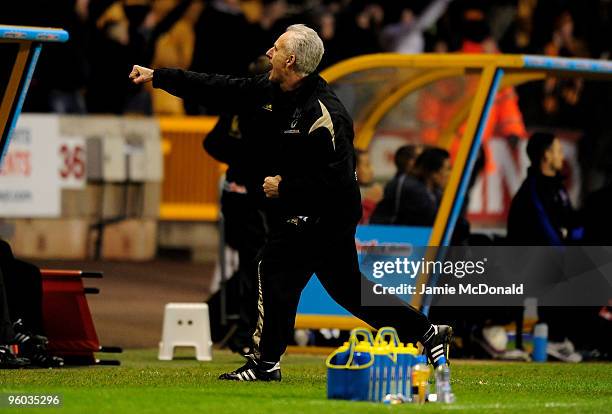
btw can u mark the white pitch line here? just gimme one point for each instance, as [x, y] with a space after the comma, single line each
[502, 406]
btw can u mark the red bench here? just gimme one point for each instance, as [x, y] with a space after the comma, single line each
[67, 319]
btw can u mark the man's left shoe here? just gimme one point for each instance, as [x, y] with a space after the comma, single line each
[254, 370]
[438, 345]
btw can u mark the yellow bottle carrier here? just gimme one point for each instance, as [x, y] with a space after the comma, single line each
[367, 369]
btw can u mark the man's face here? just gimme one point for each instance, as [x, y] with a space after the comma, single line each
[365, 172]
[554, 155]
[441, 176]
[279, 59]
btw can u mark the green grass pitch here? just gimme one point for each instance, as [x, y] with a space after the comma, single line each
[142, 384]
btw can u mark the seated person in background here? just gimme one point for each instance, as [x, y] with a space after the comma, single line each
[404, 159]
[541, 213]
[371, 192]
[7, 335]
[234, 141]
[22, 296]
[413, 199]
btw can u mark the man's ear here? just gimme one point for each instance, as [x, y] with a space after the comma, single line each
[290, 60]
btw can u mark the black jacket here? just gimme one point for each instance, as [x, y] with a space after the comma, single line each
[541, 213]
[225, 144]
[305, 136]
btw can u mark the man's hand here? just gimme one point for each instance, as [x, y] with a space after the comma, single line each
[140, 74]
[270, 186]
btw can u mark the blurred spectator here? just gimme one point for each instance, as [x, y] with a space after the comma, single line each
[23, 282]
[518, 36]
[22, 286]
[107, 89]
[56, 86]
[562, 95]
[406, 36]
[413, 199]
[599, 29]
[173, 48]
[104, 34]
[220, 31]
[386, 211]
[371, 192]
[328, 33]
[442, 102]
[438, 105]
[505, 118]
[273, 21]
[66, 83]
[405, 157]
[541, 213]
[7, 334]
[359, 29]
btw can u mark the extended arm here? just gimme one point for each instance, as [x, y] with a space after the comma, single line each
[218, 92]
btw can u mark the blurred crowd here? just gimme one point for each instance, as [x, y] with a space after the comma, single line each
[88, 74]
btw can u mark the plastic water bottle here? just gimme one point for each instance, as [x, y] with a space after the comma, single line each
[443, 385]
[342, 354]
[337, 379]
[405, 360]
[383, 364]
[420, 380]
[359, 380]
[386, 361]
[540, 342]
[363, 353]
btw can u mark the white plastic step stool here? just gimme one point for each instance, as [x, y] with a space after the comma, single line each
[186, 324]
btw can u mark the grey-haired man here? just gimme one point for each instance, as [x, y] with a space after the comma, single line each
[310, 194]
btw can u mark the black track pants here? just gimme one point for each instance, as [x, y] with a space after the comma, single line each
[245, 232]
[291, 255]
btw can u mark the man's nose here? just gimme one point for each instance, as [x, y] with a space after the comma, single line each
[269, 53]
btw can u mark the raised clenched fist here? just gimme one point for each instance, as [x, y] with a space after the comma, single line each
[140, 74]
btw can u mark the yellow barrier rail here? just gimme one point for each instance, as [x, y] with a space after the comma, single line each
[190, 190]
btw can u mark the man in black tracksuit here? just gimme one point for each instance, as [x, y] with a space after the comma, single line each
[312, 198]
[541, 213]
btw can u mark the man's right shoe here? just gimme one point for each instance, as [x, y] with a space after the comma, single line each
[438, 345]
[254, 370]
